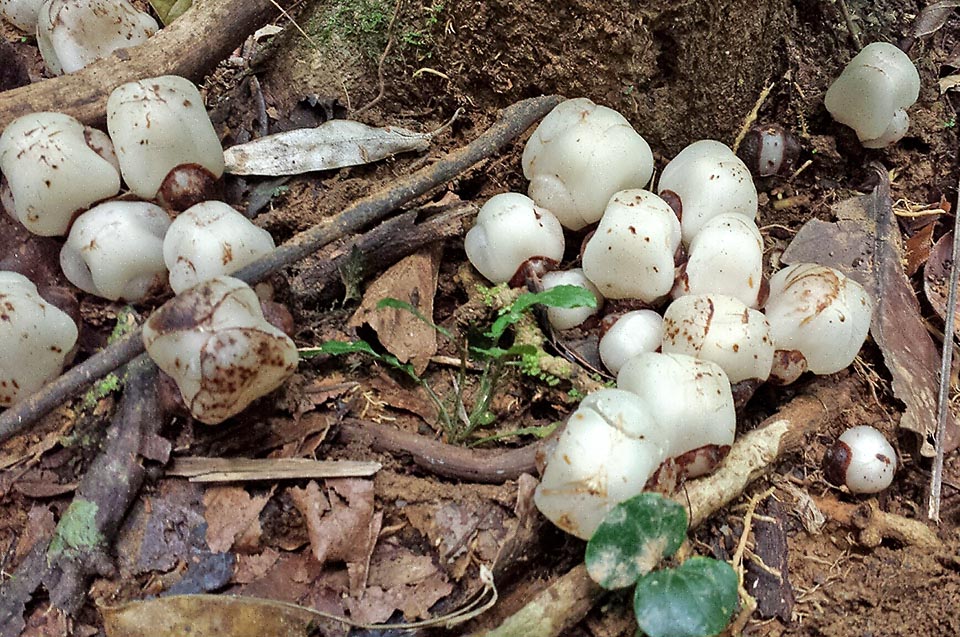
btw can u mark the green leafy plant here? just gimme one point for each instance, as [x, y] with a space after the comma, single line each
[695, 599]
[457, 420]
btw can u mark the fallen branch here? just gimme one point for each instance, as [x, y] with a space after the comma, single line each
[564, 603]
[105, 493]
[380, 247]
[513, 121]
[80, 545]
[448, 461]
[191, 46]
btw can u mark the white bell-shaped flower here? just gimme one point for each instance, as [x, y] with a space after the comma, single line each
[633, 333]
[579, 156]
[511, 229]
[35, 338]
[74, 33]
[609, 448]
[563, 318]
[164, 139]
[52, 172]
[216, 345]
[873, 92]
[115, 250]
[631, 255]
[820, 313]
[211, 239]
[692, 400]
[721, 329]
[704, 180]
[725, 257]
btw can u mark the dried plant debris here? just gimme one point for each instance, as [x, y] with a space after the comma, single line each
[936, 274]
[414, 281]
[334, 144]
[233, 518]
[342, 525]
[865, 244]
[206, 616]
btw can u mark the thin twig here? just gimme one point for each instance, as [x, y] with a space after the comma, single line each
[383, 57]
[946, 359]
[513, 121]
[752, 115]
[851, 25]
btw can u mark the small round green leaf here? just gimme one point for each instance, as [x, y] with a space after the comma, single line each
[694, 600]
[633, 537]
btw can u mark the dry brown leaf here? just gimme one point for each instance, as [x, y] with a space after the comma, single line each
[45, 621]
[936, 275]
[413, 399]
[40, 525]
[918, 249]
[933, 17]
[865, 244]
[342, 525]
[250, 568]
[399, 580]
[160, 532]
[233, 517]
[206, 616]
[413, 280]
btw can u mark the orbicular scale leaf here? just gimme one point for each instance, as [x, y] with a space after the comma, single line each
[633, 537]
[695, 599]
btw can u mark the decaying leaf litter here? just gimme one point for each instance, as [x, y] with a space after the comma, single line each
[466, 520]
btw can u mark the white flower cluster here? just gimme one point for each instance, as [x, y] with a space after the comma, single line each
[691, 253]
[60, 178]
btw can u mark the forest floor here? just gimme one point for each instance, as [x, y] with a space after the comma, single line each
[410, 540]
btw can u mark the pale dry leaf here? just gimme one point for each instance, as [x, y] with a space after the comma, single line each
[936, 274]
[334, 144]
[948, 83]
[250, 568]
[206, 616]
[399, 580]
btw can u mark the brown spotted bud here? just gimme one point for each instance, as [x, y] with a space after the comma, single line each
[769, 150]
[862, 460]
[214, 342]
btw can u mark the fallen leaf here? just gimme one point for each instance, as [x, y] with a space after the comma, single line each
[334, 144]
[250, 568]
[40, 526]
[865, 244]
[342, 525]
[918, 249]
[170, 10]
[167, 532]
[948, 83]
[46, 621]
[413, 399]
[206, 616]
[936, 275]
[399, 580]
[233, 517]
[412, 280]
[157, 534]
[288, 579]
[933, 17]
[38, 483]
